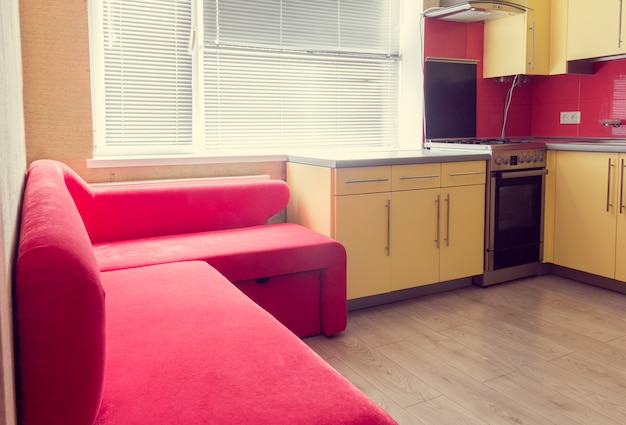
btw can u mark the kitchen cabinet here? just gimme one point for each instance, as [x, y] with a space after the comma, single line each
[361, 222]
[595, 28]
[436, 231]
[589, 214]
[403, 226]
[518, 44]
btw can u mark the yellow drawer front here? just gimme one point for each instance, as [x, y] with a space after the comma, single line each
[463, 173]
[415, 176]
[350, 181]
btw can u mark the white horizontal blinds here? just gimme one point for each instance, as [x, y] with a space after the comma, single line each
[147, 75]
[292, 73]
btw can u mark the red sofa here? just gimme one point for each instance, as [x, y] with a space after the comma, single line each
[117, 322]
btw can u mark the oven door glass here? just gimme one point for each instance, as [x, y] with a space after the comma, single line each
[517, 218]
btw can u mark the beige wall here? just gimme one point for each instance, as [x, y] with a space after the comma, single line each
[57, 100]
[12, 170]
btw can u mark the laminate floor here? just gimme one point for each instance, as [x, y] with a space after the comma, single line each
[542, 350]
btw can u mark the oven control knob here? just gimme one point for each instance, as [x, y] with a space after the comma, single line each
[498, 160]
[521, 159]
[535, 158]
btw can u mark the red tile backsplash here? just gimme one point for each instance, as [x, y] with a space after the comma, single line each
[601, 95]
[536, 104]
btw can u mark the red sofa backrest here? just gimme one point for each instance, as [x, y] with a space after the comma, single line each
[118, 212]
[59, 306]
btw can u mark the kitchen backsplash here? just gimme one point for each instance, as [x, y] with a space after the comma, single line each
[536, 103]
[598, 96]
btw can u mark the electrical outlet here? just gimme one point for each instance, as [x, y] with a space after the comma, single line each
[572, 117]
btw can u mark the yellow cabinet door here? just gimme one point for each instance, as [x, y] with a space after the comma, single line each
[462, 231]
[558, 37]
[620, 248]
[595, 28]
[518, 44]
[415, 233]
[584, 212]
[361, 224]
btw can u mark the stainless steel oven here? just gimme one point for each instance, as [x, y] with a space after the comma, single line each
[514, 227]
[513, 209]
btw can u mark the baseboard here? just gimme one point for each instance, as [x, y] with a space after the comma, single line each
[405, 294]
[588, 278]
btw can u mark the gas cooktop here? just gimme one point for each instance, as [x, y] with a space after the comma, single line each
[480, 143]
[473, 141]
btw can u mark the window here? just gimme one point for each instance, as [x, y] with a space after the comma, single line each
[244, 76]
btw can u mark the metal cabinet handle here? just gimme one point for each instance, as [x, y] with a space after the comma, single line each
[468, 173]
[426, 176]
[382, 179]
[619, 30]
[621, 189]
[608, 187]
[532, 46]
[388, 247]
[448, 220]
[438, 220]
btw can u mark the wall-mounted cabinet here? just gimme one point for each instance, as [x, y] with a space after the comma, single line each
[595, 29]
[519, 44]
[403, 226]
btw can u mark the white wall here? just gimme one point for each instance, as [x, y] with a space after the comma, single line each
[411, 76]
[12, 170]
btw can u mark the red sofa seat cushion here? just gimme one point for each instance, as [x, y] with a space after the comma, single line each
[247, 254]
[186, 347]
[59, 309]
[239, 254]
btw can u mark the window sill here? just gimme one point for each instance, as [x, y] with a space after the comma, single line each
[155, 161]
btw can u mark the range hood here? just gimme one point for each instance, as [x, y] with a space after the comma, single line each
[474, 11]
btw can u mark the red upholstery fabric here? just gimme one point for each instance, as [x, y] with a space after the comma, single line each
[183, 345]
[186, 347]
[240, 254]
[140, 211]
[250, 253]
[222, 223]
[301, 313]
[59, 309]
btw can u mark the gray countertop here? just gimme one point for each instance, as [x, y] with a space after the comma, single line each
[347, 159]
[379, 158]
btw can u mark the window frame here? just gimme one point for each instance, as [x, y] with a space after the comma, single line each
[409, 99]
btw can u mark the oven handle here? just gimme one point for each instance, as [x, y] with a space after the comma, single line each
[527, 173]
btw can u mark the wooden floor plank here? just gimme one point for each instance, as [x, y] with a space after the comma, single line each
[541, 350]
[477, 398]
[550, 404]
[395, 381]
[375, 392]
[610, 375]
[443, 411]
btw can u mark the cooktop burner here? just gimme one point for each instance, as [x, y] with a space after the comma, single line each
[478, 143]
